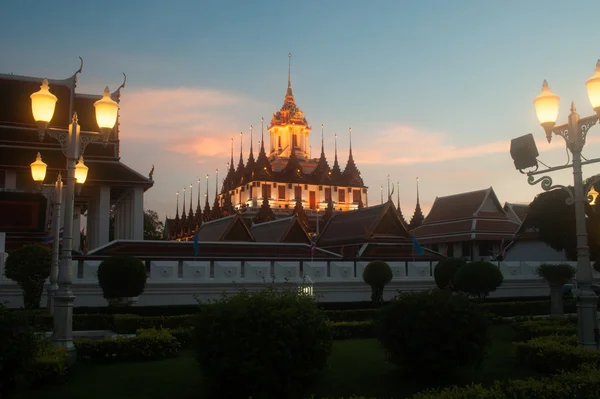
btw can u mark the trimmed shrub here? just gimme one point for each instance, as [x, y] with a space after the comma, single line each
[129, 324]
[478, 278]
[474, 391]
[29, 266]
[377, 274]
[433, 333]
[541, 327]
[18, 348]
[268, 344]
[49, 366]
[150, 344]
[556, 276]
[553, 353]
[122, 276]
[445, 271]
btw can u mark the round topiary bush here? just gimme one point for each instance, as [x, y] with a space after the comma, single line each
[445, 271]
[29, 266]
[431, 334]
[122, 276]
[377, 274]
[269, 345]
[478, 278]
[556, 276]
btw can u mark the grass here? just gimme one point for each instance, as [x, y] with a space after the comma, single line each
[355, 367]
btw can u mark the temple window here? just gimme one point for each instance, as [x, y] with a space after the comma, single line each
[295, 140]
[298, 192]
[356, 196]
[281, 192]
[341, 196]
[266, 191]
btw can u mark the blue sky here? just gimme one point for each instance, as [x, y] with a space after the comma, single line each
[434, 89]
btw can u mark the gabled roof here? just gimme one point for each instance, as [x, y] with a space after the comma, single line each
[363, 225]
[475, 215]
[229, 228]
[463, 206]
[516, 212]
[279, 231]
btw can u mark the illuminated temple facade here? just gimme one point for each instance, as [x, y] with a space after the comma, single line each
[282, 179]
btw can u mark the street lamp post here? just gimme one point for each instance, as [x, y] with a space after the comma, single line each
[73, 143]
[574, 133]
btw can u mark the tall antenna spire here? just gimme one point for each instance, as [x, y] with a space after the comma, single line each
[289, 70]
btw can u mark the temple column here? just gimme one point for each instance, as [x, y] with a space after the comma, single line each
[137, 205]
[76, 228]
[98, 218]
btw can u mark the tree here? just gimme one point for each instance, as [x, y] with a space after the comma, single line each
[478, 278]
[445, 271]
[153, 227]
[554, 221]
[556, 276]
[377, 274]
[29, 266]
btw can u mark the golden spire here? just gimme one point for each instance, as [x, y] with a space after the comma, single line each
[289, 70]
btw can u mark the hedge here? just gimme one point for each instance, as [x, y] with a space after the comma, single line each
[49, 367]
[128, 323]
[150, 344]
[582, 384]
[553, 353]
[541, 327]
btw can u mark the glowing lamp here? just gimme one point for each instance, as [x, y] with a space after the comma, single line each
[106, 113]
[38, 169]
[43, 104]
[81, 171]
[593, 88]
[546, 108]
[593, 194]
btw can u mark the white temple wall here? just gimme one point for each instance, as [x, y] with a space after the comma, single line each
[172, 282]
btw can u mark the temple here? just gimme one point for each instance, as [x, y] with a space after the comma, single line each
[282, 180]
[111, 186]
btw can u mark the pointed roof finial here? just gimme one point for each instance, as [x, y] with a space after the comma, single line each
[177, 208]
[183, 207]
[322, 140]
[251, 127]
[335, 146]
[231, 162]
[241, 144]
[216, 183]
[382, 194]
[388, 186]
[417, 189]
[398, 194]
[262, 132]
[573, 109]
[199, 191]
[289, 70]
[350, 133]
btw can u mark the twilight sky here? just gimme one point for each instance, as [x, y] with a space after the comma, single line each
[434, 89]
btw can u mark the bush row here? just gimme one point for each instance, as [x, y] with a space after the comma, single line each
[541, 327]
[128, 323]
[149, 344]
[553, 353]
[582, 384]
[49, 367]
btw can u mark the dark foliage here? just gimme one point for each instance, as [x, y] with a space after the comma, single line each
[29, 266]
[266, 345]
[122, 276]
[433, 333]
[377, 274]
[556, 274]
[478, 278]
[445, 271]
[18, 347]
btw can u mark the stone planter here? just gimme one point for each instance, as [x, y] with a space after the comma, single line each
[123, 302]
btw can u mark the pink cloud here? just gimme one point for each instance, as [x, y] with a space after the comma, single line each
[424, 147]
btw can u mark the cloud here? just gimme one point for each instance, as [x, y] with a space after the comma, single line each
[404, 144]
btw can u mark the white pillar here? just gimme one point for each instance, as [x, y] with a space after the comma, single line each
[137, 213]
[77, 229]
[103, 214]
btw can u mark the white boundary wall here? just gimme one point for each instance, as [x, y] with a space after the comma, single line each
[177, 281]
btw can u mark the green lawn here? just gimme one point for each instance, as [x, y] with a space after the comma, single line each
[355, 367]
